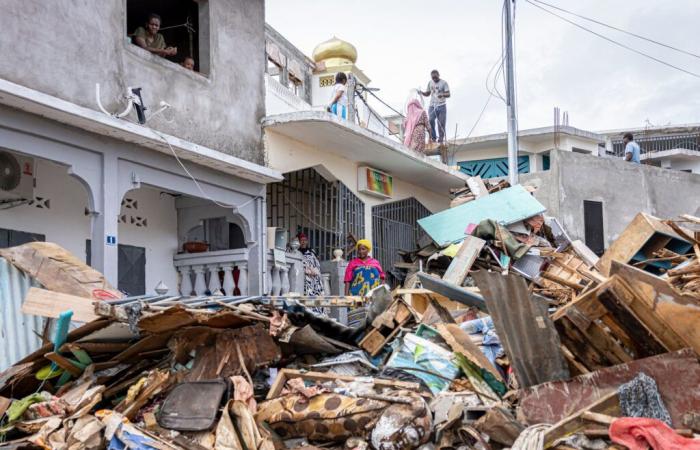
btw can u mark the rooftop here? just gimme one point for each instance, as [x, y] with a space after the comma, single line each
[350, 141]
[532, 133]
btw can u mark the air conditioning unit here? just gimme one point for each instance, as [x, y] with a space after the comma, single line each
[16, 177]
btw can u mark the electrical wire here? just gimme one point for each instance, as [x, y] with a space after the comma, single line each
[627, 47]
[620, 30]
[382, 101]
[194, 180]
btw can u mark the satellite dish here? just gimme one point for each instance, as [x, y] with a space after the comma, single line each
[10, 172]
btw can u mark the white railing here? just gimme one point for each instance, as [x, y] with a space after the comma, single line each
[201, 272]
[274, 87]
[285, 277]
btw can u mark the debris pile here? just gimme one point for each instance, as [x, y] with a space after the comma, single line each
[525, 340]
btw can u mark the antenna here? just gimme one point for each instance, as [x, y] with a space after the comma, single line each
[133, 101]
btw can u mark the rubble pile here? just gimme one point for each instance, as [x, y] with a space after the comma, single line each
[525, 340]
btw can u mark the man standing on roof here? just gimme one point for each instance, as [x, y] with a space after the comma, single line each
[439, 92]
[632, 151]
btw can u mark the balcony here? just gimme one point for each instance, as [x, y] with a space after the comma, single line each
[227, 271]
[686, 143]
[280, 99]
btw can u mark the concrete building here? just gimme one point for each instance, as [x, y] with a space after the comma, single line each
[125, 195]
[675, 147]
[487, 156]
[342, 177]
[596, 198]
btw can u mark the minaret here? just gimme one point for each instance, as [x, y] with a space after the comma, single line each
[331, 57]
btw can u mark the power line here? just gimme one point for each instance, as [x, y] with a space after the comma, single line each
[614, 41]
[620, 30]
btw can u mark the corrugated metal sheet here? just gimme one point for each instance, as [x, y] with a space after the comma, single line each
[16, 329]
[522, 323]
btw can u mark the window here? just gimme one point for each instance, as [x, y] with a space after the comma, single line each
[274, 70]
[295, 85]
[580, 150]
[184, 24]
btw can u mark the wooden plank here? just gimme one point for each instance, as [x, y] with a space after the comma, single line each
[598, 338]
[460, 342]
[608, 404]
[45, 303]
[477, 186]
[287, 374]
[64, 363]
[585, 253]
[463, 260]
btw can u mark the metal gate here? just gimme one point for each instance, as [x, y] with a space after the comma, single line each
[395, 227]
[326, 211]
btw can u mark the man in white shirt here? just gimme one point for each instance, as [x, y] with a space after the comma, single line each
[439, 92]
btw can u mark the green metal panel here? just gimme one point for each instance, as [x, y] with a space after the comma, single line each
[506, 207]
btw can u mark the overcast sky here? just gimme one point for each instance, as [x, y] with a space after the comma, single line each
[602, 86]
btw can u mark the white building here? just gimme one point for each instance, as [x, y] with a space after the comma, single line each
[675, 147]
[487, 156]
[342, 177]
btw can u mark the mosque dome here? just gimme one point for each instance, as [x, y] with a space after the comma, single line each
[336, 49]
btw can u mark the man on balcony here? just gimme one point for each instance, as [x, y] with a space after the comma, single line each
[632, 150]
[439, 92]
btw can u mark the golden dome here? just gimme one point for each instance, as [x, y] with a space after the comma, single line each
[335, 48]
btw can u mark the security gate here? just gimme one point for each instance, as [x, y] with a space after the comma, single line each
[395, 227]
[326, 211]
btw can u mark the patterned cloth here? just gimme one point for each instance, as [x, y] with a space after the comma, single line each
[363, 275]
[313, 283]
[640, 398]
[418, 135]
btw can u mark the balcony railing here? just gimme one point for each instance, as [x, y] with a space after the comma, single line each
[293, 101]
[653, 144]
[201, 272]
[285, 277]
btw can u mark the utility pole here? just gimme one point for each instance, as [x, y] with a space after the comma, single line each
[510, 98]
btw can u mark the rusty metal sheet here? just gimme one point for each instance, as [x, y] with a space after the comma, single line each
[677, 376]
[522, 323]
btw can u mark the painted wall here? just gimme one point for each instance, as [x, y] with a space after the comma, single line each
[625, 189]
[67, 48]
[533, 146]
[288, 155]
[158, 236]
[64, 222]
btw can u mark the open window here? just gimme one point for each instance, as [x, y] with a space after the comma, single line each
[183, 24]
[295, 85]
[274, 70]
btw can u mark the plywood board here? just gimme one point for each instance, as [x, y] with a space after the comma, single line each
[506, 207]
[45, 303]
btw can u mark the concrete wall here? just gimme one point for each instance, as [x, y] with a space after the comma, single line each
[290, 155]
[625, 189]
[65, 48]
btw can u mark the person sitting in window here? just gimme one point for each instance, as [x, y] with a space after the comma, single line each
[150, 39]
[188, 63]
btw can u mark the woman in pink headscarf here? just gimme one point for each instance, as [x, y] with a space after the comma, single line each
[415, 126]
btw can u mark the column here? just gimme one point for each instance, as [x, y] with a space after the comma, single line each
[185, 280]
[200, 285]
[242, 278]
[284, 274]
[104, 235]
[276, 282]
[214, 283]
[229, 284]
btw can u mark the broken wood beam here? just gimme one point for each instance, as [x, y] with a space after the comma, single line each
[463, 260]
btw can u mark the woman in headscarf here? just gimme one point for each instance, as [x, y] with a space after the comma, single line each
[363, 272]
[313, 284]
[415, 126]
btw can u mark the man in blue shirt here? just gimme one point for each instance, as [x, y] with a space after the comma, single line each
[632, 152]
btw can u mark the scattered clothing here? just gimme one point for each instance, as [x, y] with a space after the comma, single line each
[157, 42]
[532, 438]
[415, 126]
[640, 398]
[313, 283]
[491, 343]
[633, 148]
[363, 275]
[641, 434]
